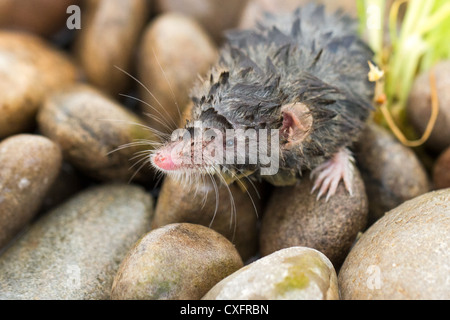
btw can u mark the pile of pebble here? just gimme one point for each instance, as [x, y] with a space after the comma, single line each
[72, 226]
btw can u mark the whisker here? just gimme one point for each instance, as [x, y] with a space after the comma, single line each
[145, 127]
[130, 145]
[159, 177]
[168, 82]
[248, 193]
[137, 171]
[137, 162]
[146, 89]
[137, 156]
[152, 116]
[232, 203]
[216, 190]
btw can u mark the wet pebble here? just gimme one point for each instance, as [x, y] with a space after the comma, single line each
[296, 273]
[419, 106]
[215, 16]
[174, 51]
[108, 39]
[197, 204]
[293, 217]
[74, 251]
[441, 171]
[392, 173]
[29, 70]
[404, 255]
[254, 10]
[29, 165]
[177, 262]
[43, 17]
[89, 127]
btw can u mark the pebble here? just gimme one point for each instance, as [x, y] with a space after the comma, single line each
[293, 217]
[29, 167]
[174, 51]
[89, 126]
[254, 11]
[42, 17]
[215, 16]
[441, 170]
[197, 204]
[176, 262]
[404, 255]
[392, 173]
[419, 106]
[295, 273]
[74, 251]
[108, 39]
[29, 70]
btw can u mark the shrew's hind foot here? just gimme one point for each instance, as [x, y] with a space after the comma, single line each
[328, 175]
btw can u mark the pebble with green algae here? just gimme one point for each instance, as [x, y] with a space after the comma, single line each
[295, 273]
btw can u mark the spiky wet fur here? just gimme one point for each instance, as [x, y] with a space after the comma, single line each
[305, 56]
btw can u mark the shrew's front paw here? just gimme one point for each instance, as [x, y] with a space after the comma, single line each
[328, 175]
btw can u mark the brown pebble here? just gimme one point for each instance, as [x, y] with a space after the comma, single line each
[89, 127]
[419, 106]
[174, 51]
[254, 11]
[441, 171]
[43, 17]
[176, 262]
[215, 16]
[30, 69]
[29, 166]
[108, 40]
[293, 217]
[197, 204]
[403, 256]
[392, 173]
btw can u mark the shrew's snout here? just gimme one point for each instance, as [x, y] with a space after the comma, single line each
[162, 159]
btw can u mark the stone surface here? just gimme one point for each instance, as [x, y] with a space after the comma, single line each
[254, 11]
[174, 51]
[295, 273]
[404, 255]
[74, 251]
[419, 106]
[89, 127]
[43, 17]
[177, 262]
[29, 70]
[392, 173]
[29, 165]
[197, 204]
[108, 39]
[293, 217]
[441, 170]
[215, 16]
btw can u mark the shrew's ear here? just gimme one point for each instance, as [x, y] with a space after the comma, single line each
[297, 122]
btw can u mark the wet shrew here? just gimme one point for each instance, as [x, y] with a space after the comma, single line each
[302, 75]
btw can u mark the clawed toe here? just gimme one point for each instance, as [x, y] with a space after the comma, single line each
[328, 175]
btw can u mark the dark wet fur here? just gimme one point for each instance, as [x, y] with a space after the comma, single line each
[304, 56]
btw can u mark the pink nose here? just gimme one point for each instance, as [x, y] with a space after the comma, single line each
[163, 160]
